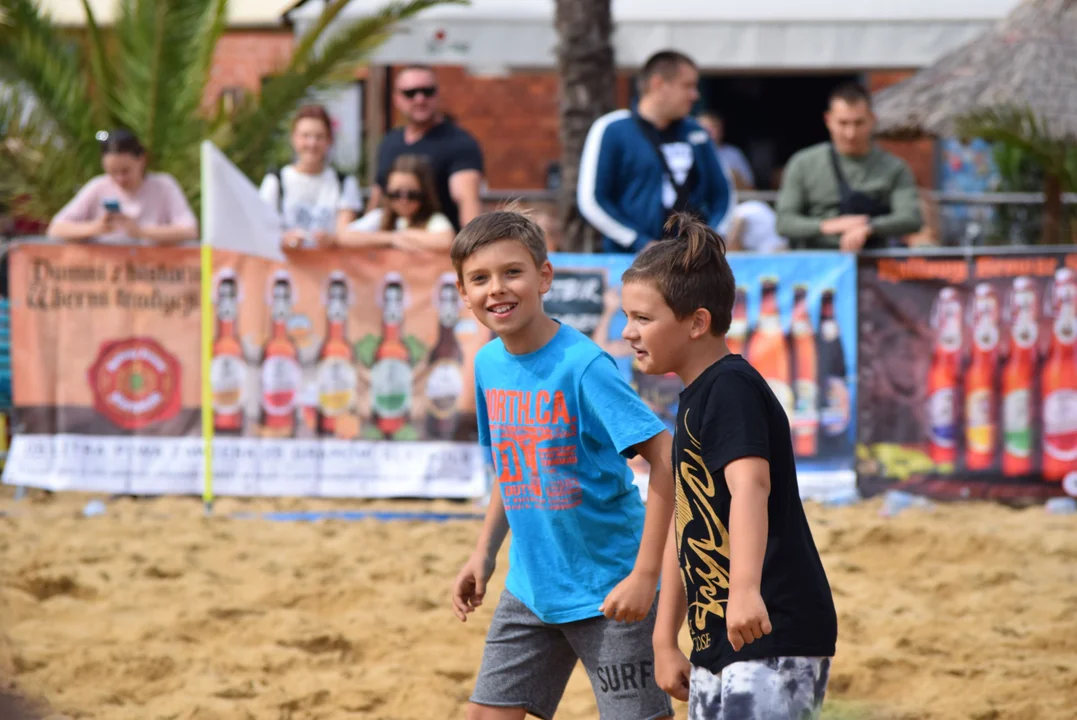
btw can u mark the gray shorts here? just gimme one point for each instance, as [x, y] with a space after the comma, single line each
[527, 664]
[783, 688]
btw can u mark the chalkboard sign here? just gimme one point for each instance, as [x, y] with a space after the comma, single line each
[575, 298]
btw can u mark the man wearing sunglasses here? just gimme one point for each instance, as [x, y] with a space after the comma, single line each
[452, 152]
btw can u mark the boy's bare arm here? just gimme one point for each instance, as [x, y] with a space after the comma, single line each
[633, 597]
[495, 527]
[749, 485]
[469, 587]
[657, 452]
[672, 670]
[672, 603]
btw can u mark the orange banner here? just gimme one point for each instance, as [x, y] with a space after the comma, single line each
[372, 345]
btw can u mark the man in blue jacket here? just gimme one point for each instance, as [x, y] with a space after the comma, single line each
[640, 165]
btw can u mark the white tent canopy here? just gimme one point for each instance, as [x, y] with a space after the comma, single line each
[718, 34]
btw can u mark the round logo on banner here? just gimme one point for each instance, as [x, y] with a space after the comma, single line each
[1069, 484]
[135, 382]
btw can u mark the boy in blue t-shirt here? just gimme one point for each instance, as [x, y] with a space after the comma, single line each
[585, 558]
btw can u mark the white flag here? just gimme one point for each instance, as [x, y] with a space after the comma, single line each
[234, 216]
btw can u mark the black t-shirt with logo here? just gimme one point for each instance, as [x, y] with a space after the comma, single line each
[729, 412]
[447, 147]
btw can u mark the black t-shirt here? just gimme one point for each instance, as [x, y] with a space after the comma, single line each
[448, 148]
[729, 412]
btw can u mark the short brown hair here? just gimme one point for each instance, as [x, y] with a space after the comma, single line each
[506, 224]
[666, 63]
[314, 112]
[690, 270]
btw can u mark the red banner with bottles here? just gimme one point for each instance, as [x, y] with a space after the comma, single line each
[968, 375]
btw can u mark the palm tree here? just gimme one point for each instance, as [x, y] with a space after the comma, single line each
[148, 73]
[588, 79]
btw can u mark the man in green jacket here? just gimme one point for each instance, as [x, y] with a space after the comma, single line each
[847, 194]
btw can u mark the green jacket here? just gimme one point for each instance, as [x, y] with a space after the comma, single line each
[810, 194]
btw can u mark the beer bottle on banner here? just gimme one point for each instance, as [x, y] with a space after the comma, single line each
[337, 379]
[768, 351]
[1018, 379]
[228, 370]
[805, 376]
[445, 382]
[981, 410]
[281, 374]
[942, 378]
[1059, 382]
[391, 375]
[833, 389]
[737, 337]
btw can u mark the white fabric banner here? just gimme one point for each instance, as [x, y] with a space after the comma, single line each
[134, 465]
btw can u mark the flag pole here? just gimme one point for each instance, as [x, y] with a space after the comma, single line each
[206, 257]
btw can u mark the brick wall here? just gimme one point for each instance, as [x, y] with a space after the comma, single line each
[920, 154]
[515, 118]
[244, 57]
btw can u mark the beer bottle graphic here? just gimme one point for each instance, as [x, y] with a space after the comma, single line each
[336, 375]
[942, 377]
[737, 337]
[228, 369]
[445, 381]
[835, 404]
[391, 374]
[1018, 378]
[768, 351]
[805, 376]
[281, 374]
[981, 411]
[1059, 382]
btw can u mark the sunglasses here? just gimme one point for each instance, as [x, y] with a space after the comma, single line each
[404, 195]
[428, 92]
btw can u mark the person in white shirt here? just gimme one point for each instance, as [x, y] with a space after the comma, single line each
[409, 216]
[755, 229]
[314, 200]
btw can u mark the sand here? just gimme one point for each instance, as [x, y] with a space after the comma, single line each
[152, 612]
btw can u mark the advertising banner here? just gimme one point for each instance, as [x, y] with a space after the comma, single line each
[968, 378]
[338, 374]
[350, 374]
[794, 320]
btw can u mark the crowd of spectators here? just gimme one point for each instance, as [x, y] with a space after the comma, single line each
[638, 165]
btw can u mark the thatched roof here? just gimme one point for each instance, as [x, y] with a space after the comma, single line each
[1027, 61]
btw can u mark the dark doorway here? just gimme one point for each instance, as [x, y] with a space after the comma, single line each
[770, 117]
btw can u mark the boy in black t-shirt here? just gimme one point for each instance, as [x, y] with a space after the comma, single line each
[759, 607]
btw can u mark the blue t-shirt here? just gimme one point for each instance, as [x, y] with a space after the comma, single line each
[560, 423]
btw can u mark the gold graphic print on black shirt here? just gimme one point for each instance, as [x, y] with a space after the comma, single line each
[706, 553]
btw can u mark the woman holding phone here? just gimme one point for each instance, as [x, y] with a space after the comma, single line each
[127, 204]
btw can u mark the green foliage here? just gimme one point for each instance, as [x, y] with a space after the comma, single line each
[1026, 154]
[148, 73]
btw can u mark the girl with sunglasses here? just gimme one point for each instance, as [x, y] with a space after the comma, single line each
[408, 217]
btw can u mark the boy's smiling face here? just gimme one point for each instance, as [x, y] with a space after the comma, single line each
[503, 287]
[658, 338]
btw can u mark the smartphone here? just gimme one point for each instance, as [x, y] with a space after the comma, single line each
[112, 206]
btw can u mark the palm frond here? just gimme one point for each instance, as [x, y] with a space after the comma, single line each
[1019, 127]
[306, 45]
[340, 54]
[100, 69]
[34, 53]
[140, 29]
[35, 167]
[209, 26]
